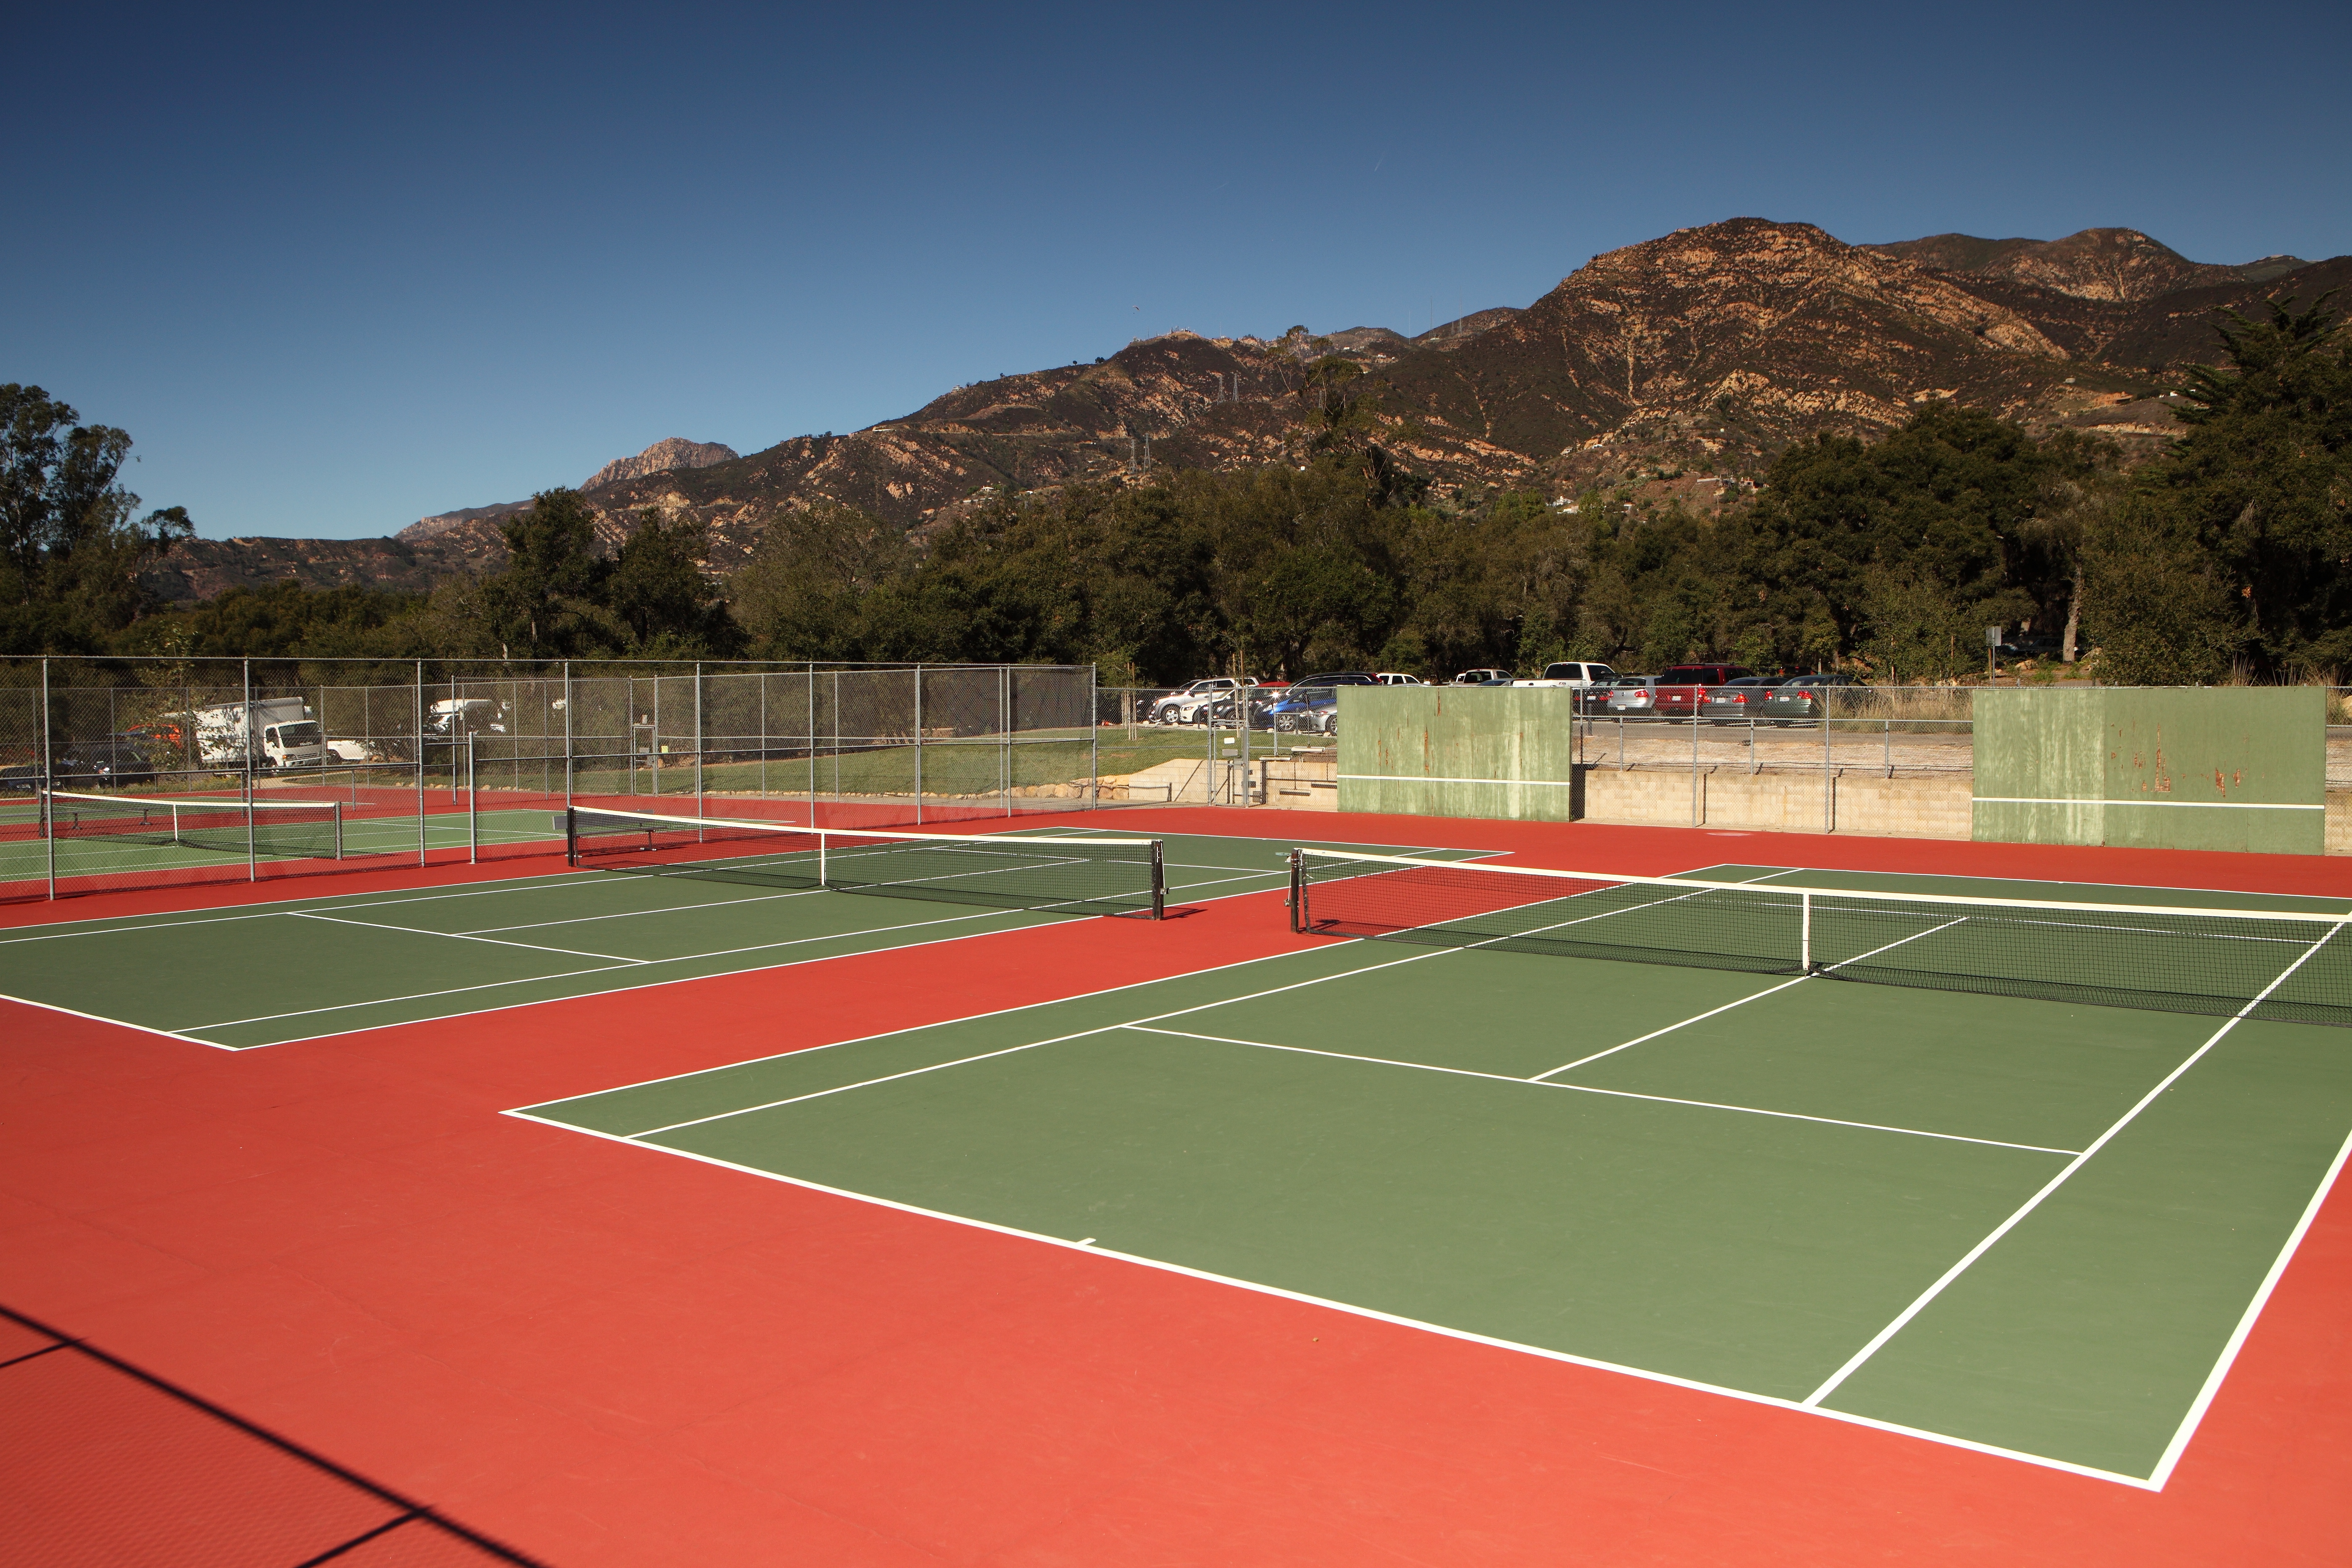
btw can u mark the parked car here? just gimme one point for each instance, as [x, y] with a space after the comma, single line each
[82, 765]
[1482, 678]
[1314, 703]
[1190, 705]
[1736, 701]
[1632, 697]
[1389, 678]
[1682, 686]
[1799, 700]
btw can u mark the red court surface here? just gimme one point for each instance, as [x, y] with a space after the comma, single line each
[600, 1357]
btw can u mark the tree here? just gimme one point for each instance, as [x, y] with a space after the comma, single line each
[2249, 517]
[547, 603]
[1869, 538]
[70, 550]
[2071, 522]
[799, 597]
[658, 591]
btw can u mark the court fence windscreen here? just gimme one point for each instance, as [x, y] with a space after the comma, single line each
[2293, 967]
[1078, 876]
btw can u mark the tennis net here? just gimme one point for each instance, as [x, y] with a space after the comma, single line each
[1075, 875]
[2292, 966]
[281, 830]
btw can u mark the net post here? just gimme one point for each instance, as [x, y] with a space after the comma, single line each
[1159, 882]
[339, 826]
[1297, 902]
[1805, 933]
[571, 837]
[821, 879]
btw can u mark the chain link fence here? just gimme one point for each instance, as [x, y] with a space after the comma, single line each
[109, 767]
[1895, 730]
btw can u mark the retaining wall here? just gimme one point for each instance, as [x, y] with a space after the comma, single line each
[1934, 807]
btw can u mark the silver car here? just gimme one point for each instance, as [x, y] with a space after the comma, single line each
[1633, 697]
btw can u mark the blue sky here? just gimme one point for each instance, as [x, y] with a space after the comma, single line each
[336, 272]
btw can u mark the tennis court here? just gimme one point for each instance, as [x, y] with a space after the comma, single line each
[126, 841]
[1976, 1185]
[329, 964]
[2038, 1227]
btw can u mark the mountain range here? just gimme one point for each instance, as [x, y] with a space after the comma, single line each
[1684, 363]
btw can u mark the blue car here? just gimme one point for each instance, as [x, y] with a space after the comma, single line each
[1314, 703]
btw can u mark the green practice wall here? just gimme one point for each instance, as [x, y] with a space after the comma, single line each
[1436, 750]
[2171, 768]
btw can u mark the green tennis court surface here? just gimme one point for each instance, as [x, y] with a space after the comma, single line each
[2031, 1226]
[27, 860]
[265, 974]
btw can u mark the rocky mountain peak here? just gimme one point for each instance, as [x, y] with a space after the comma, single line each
[661, 458]
[2121, 266]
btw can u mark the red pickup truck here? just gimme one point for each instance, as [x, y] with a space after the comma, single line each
[1682, 686]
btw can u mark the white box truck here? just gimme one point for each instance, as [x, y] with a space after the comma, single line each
[273, 731]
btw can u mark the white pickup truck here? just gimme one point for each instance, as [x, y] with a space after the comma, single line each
[1574, 674]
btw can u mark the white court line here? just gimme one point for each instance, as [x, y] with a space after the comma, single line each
[667, 909]
[1058, 1039]
[95, 1018]
[2212, 1386]
[536, 883]
[569, 974]
[541, 882]
[457, 936]
[1853, 1363]
[1030, 1046]
[1670, 1028]
[1742, 1002]
[1914, 876]
[1611, 1093]
[1095, 1247]
[614, 990]
[941, 1023]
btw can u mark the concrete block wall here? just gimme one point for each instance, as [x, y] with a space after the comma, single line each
[1302, 783]
[1933, 807]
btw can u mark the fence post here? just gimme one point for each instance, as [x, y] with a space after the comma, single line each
[812, 743]
[567, 735]
[1829, 821]
[252, 870]
[1694, 701]
[919, 746]
[699, 810]
[1094, 734]
[48, 784]
[423, 844]
[473, 803]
